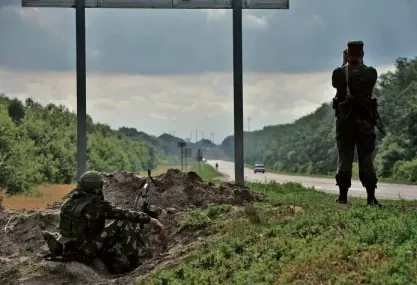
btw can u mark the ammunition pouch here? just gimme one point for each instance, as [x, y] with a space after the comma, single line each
[371, 110]
[335, 104]
[342, 109]
[374, 105]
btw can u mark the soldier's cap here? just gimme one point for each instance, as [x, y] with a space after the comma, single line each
[355, 48]
[355, 44]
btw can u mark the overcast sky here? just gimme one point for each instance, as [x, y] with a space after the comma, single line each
[171, 70]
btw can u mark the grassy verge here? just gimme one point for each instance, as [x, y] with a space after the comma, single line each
[207, 173]
[164, 168]
[355, 175]
[300, 236]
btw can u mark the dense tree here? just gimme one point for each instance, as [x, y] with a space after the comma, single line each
[308, 145]
[16, 111]
[42, 147]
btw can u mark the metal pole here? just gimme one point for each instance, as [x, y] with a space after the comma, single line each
[81, 88]
[182, 159]
[238, 91]
[186, 160]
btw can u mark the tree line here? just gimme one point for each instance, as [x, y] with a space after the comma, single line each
[308, 145]
[38, 145]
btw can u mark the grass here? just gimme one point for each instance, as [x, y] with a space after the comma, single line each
[38, 198]
[164, 168]
[300, 236]
[207, 172]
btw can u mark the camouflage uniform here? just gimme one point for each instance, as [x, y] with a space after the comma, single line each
[82, 225]
[355, 125]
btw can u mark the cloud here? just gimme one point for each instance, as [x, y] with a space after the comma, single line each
[254, 21]
[171, 70]
[178, 103]
[308, 37]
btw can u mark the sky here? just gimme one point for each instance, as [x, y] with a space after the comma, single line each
[170, 71]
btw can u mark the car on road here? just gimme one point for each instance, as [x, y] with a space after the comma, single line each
[259, 167]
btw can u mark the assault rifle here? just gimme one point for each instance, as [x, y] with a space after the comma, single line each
[142, 201]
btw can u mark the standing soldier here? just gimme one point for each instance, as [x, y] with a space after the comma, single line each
[356, 118]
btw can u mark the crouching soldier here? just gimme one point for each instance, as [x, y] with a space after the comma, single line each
[83, 234]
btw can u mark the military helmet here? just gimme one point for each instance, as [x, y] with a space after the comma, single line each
[91, 180]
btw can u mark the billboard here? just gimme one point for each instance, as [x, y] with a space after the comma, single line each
[160, 4]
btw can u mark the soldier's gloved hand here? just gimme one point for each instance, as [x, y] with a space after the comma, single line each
[345, 57]
[157, 224]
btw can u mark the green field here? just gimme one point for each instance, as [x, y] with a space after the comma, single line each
[300, 236]
[208, 173]
[205, 171]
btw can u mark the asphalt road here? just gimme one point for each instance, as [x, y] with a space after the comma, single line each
[384, 191]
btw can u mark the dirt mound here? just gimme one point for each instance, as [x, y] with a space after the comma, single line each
[22, 246]
[174, 189]
[21, 231]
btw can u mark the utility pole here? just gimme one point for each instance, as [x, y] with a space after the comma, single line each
[199, 157]
[212, 137]
[181, 145]
[249, 118]
[196, 136]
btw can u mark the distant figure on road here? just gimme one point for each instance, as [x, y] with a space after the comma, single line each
[217, 166]
[357, 116]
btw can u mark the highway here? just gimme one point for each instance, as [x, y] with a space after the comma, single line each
[384, 190]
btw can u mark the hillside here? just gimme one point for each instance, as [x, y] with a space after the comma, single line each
[167, 148]
[38, 145]
[308, 145]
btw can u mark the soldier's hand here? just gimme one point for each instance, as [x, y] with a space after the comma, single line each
[345, 57]
[157, 224]
[163, 239]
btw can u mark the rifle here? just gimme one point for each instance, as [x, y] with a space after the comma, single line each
[377, 118]
[142, 201]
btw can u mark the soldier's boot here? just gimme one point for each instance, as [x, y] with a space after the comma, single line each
[343, 193]
[99, 265]
[55, 248]
[372, 201]
[133, 261]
